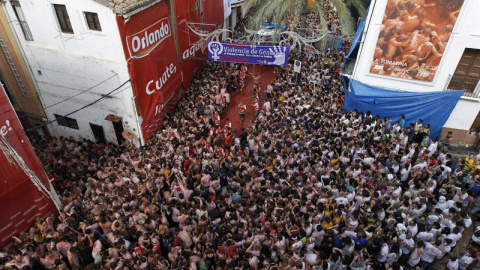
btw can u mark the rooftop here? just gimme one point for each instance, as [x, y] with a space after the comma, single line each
[121, 7]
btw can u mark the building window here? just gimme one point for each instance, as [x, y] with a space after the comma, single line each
[66, 121]
[92, 21]
[63, 19]
[467, 74]
[21, 20]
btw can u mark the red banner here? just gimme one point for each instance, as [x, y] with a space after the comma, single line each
[154, 69]
[192, 47]
[213, 11]
[20, 200]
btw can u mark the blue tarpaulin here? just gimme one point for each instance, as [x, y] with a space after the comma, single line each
[433, 108]
[357, 38]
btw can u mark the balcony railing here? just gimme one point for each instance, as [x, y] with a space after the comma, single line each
[347, 69]
[26, 31]
[470, 85]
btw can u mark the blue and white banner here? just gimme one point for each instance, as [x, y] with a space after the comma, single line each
[248, 54]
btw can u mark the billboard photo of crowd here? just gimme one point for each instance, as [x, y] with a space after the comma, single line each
[413, 37]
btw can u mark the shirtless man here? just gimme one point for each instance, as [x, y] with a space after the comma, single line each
[423, 51]
[436, 56]
[393, 45]
[448, 31]
[392, 26]
[411, 21]
[416, 40]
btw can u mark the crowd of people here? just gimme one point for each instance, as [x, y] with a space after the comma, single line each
[305, 185]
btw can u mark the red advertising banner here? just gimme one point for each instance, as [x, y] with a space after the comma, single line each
[192, 47]
[154, 69]
[213, 11]
[20, 200]
[413, 37]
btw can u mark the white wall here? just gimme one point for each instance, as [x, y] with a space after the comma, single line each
[233, 16]
[466, 34]
[464, 114]
[63, 65]
[227, 9]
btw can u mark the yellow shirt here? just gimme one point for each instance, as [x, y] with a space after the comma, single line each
[327, 225]
[334, 161]
[469, 164]
[337, 219]
[166, 172]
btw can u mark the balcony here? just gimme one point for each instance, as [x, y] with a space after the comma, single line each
[26, 31]
[347, 69]
[470, 85]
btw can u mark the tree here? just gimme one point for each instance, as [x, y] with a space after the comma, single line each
[282, 10]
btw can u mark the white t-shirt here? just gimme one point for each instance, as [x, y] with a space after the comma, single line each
[452, 265]
[408, 243]
[430, 253]
[382, 256]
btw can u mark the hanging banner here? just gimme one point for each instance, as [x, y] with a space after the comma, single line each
[248, 54]
[213, 12]
[192, 47]
[413, 38]
[154, 69]
[297, 66]
[21, 201]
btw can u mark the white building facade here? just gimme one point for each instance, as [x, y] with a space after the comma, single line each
[458, 68]
[76, 58]
[236, 15]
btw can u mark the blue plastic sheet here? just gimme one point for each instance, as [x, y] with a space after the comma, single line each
[433, 108]
[357, 38]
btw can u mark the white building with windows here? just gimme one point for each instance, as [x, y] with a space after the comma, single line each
[75, 55]
[458, 61]
[76, 59]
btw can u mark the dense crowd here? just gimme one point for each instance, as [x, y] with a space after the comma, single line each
[305, 185]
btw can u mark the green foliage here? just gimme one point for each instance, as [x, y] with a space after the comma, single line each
[280, 10]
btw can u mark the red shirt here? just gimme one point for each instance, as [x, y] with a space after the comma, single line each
[230, 250]
[242, 108]
[228, 141]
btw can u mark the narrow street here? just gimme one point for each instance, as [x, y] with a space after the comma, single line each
[245, 96]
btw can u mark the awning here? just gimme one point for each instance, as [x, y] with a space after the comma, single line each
[113, 118]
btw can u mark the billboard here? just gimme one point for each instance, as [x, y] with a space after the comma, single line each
[213, 12]
[193, 49]
[248, 54]
[413, 37]
[154, 68]
[21, 202]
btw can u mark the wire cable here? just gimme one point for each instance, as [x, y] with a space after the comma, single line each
[80, 92]
[75, 111]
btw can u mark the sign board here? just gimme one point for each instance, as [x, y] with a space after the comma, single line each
[213, 11]
[21, 202]
[155, 71]
[413, 38]
[248, 54]
[297, 66]
[193, 49]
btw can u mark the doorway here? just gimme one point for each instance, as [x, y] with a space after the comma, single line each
[98, 133]
[118, 127]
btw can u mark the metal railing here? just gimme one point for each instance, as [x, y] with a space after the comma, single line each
[471, 86]
[26, 31]
[347, 69]
[331, 42]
